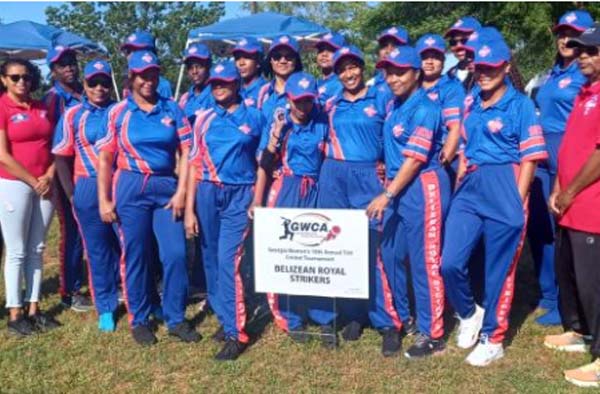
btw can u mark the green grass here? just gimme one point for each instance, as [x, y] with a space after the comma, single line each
[77, 358]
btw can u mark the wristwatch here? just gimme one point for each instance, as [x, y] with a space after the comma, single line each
[389, 195]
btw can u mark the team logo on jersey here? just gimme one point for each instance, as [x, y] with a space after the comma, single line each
[571, 17]
[468, 101]
[245, 128]
[563, 83]
[147, 58]
[590, 104]
[309, 229]
[370, 111]
[304, 83]
[495, 125]
[433, 96]
[99, 66]
[430, 41]
[484, 51]
[18, 118]
[284, 39]
[219, 68]
[43, 114]
[167, 121]
[398, 130]
[249, 101]
[322, 89]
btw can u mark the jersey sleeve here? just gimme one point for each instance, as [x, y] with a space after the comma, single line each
[108, 142]
[164, 88]
[532, 146]
[63, 143]
[184, 130]
[201, 123]
[3, 122]
[452, 105]
[423, 128]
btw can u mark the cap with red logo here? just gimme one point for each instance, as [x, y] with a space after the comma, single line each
[398, 33]
[579, 20]
[492, 53]
[466, 24]
[139, 39]
[142, 60]
[96, 67]
[56, 52]
[300, 85]
[431, 42]
[347, 51]
[285, 41]
[224, 71]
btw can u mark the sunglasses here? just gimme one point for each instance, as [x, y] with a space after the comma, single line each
[17, 77]
[457, 41]
[101, 81]
[278, 56]
[590, 51]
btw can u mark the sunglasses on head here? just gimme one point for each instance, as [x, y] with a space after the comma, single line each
[277, 56]
[590, 51]
[17, 77]
[105, 83]
[457, 41]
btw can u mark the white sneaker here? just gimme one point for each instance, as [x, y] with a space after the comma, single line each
[484, 353]
[468, 329]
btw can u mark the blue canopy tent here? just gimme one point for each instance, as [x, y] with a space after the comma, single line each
[31, 40]
[264, 26]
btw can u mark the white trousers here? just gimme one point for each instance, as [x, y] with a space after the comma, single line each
[25, 218]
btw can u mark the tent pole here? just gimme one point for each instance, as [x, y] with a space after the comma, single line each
[114, 81]
[180, 77]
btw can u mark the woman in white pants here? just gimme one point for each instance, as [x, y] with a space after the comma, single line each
[26, 173]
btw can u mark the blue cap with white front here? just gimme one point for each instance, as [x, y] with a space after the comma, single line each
[431, 42]
[402, 57]
[333, 40]
[249, 45]
[466, 24]
[285, 41]
[196, 51]
[398, 33]
[224, 71]
[347, 51]
[487, 33]
[579, 20]
[96, 67]
[56, 52]
[140, 61]
[139, 39]
[300, 85]
[493, 53]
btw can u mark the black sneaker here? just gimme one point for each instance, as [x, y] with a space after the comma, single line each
[329, 339]
[424, 346]
[410, 327]
[143, 335]
[184, 332]
[352, 331]
[299, 335]
[81, 303]
[219, 335]
[391, 342]
[42, 322]
[231, 350]
[20, 328]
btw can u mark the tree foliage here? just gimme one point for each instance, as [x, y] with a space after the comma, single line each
[109, 23]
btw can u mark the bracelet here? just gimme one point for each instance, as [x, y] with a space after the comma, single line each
[389, 195]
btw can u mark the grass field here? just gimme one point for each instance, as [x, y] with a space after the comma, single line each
[77, 358]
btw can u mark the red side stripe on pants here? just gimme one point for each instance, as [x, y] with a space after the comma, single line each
[240, 306]
[432, 250]
[87, 256]
[388, 298]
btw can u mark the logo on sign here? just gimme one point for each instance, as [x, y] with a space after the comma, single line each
[309, 229]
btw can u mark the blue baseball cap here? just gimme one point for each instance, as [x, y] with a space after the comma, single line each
[196, 51]
[492, 53]
[142, 60]
[334, 40]
[300, 85]
[487, 33]
[589, 38]
[466, 24]
[56, 52]
[96, 67]
[347, 51]
[398, 33]
[224, 71]
[139, 39]
[402, 57]
[248, 45]
[285, 41]
[431, 42]
[579, 20]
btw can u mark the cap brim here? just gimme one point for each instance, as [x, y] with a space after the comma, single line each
[222, 79]
[387, 62]
[396, 38]
[142, 69]
[282, 44]
[352, 55]
[490, 64]
[436, 49]
[247, 51]
[301, 96]
[458, 29]
[136, 47]
[62, 53]
[92, 75]
[199, 57]
[329, 44]
[583, 42]
[570, 26]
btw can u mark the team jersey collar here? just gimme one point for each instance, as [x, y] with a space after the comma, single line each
[256, 81]
[132, 105]
[222, 112]
[504, 101]
[63, 93]
[298, 128]
[7, 101]
[558, 69]
[192, 91]
[411, 102]
[91, 107]
[272, 90]
[590, 88]
[371, 94]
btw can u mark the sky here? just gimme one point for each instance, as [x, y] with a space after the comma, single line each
[13, 11]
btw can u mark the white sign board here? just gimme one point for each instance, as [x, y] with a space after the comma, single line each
[313, 252]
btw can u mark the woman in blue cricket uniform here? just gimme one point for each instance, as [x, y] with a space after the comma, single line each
[220, 190]
[329, 84]
[283, 59]
[147, 131]
[555, 100]
[248, 55]
[349, 180]
[198, 97]
[74, 139]
[503, 142]
[293, 147]
[416, 196]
